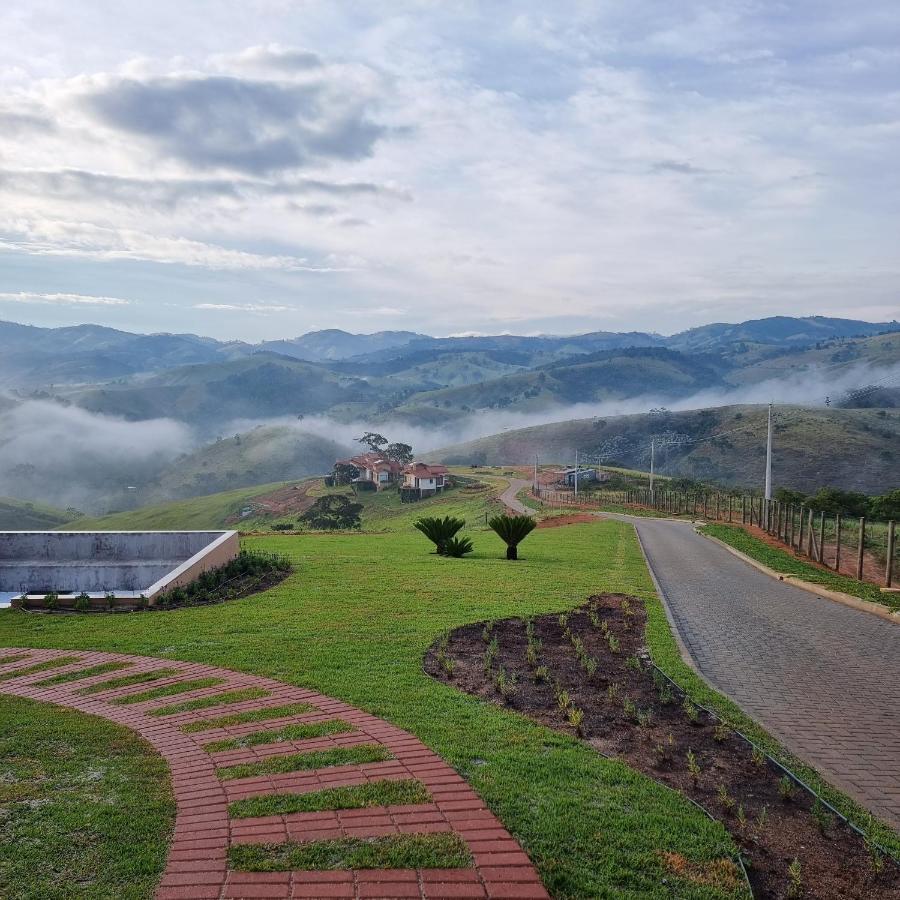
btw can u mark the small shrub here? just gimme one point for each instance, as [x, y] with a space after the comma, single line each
[575, 717]
[633, 663]
[721, 733]
[762, 818]
[458, 547]
[876, 858]
[283, 526]
[630, 708]
[82, 602]
[741, 816]
[666, 695]
[531, 654]
[786, 789]
[726, 799]
[612, 692]
[663, 751]
[51, 600]
[823, 819]
[645, 718]
[563, 620]
[110, 601]
[613, 642]
[487, 630]
[589, 664]
[541, 674]
[490, 654]
[693, 767]
[759, 758]
[505, 683]
[795, 879]
[691, 711]
[563, 700]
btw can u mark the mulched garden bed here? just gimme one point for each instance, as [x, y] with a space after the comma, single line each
[588, 673]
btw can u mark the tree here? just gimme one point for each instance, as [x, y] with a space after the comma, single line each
[401, 453]
[373, 441]
[439, 531]
[832, 501]
[344, 473]
[512, 530]
[887, 506]
[788, 495]
[333, 512]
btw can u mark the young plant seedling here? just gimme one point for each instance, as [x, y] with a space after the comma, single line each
[762, 819]
[741, 816]
[795, 879]
[448, 664]
[645, 718]
[563, 620]
[505, 683]
[630, 708]
[786, 789]
[613, 642]
[575, 717]
[721, 733]
[759, 758]
[693, 767]
[490, 655]
[612, 692]
[633, 663]
[563, 700]
[666, 696]
[589, 664]
[487, 631]
[823, 819]
[691, 711]
[726, 799]
[541, 674]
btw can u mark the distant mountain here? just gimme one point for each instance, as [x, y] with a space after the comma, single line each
[23, 515]
[424, 380]
[777, 331]
[333, 344]
[856, 449]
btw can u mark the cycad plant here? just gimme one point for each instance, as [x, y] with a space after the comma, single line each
[512, 531]
[458, 547]
[439, 531]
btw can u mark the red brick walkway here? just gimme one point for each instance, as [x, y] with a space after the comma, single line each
[197, 866]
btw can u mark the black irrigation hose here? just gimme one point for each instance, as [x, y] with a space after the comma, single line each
[790, 774]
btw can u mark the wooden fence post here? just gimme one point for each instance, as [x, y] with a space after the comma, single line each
[861, 549]
[837, 543]
[743, 509]
[810, 536]
[802, 518]
[889, 567]
[822, 537]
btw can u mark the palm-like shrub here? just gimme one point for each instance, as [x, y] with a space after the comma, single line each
[512, 531]
[439, 531]
[458, 547]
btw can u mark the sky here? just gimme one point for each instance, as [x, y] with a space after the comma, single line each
[262, 168]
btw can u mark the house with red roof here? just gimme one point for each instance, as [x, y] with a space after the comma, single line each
[375, 470]
[424, 479]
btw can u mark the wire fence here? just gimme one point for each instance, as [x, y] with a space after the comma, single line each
[857, 547]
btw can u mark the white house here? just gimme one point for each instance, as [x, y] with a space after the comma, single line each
[425, 479]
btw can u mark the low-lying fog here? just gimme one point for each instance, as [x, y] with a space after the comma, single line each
[66, 456]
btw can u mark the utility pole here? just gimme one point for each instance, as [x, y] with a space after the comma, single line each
[652, 466]
[576, 474]
[768, 491]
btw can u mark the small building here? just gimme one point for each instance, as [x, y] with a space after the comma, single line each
[424, 479]
[375, 470]
[585, 474]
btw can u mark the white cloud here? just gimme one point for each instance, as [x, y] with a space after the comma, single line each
[637, 164]
[64, 299]
[244, 307]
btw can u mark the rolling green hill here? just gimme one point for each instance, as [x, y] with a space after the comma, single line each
[260, 456]
[22, 515]
[198, 513]
[855, 449]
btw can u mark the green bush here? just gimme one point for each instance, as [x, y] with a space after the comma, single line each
[512, 530]
[82, 602]
[458, 547]
[439, 530]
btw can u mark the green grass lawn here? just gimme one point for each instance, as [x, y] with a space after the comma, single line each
[785, 563]
[85, 807]
[354, 621]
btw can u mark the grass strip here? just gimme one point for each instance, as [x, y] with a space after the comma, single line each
[100, 669]
[169, 690]
[785, 563]
[314, 759]
[206, 702]
[354, 796]
[288, 733]
[253, 715]
[13, 657]
[40, 667]
[128, 680]
[87, 807]
[402, 851]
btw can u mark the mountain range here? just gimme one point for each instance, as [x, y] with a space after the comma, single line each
[405, 376]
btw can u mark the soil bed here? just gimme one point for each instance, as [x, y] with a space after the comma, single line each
[595, 664]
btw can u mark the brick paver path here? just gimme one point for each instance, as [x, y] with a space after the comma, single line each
[823, 677]
[197, 866]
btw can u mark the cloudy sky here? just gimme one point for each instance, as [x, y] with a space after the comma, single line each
[261, 168]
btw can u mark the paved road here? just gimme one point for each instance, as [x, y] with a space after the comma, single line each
[509, 496]
[823, 677]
